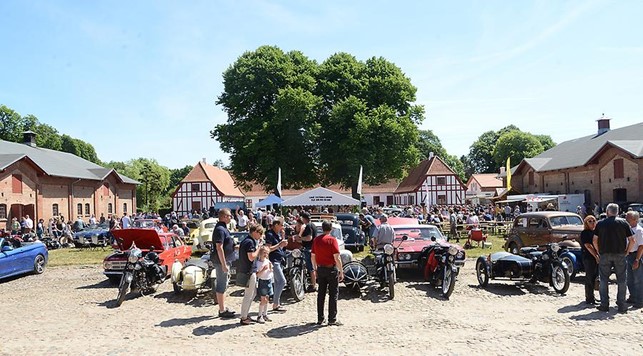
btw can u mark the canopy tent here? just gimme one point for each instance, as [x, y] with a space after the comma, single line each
[320, 197]
[270, 200]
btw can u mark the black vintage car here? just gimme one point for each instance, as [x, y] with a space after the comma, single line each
[97, 235]
[353, 235]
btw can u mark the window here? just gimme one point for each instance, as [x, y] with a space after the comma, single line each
[618, 168]
[3, 211]
[109, 208]
[124, 208]
[531, 178]
[411, 200]
[54, 210]
[196, 187]
[87, 209]
[16, 183]
[442, 180]
[79, 209]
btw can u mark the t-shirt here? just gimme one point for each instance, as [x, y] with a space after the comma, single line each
[258, 266]
[586, 237]
[308, 230]
[243, 220]
[324, 247]
[244, 265]
[222, 235]
[273, 239]
[638, 236]
[612, 235]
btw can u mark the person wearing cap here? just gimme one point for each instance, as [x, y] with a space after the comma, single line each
[385, 233]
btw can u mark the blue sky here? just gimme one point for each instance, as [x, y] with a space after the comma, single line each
[140, 78]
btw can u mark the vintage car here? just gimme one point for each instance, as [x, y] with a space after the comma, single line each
[541, 228]
[97, 235]
[353, 235]
[149, 224]
[193, 225]
[169, 246]
[18, 257]
[409, 252]
[204, 234]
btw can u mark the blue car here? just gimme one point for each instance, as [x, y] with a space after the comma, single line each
[22, 257]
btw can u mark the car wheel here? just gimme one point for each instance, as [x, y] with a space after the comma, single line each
[513, 248]
[482, 272]
[39, 264]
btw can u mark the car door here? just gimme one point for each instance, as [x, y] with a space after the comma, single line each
[6, 263]
[541, 231]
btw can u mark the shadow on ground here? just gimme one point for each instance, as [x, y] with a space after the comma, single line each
[184, 321]
[105, 283]
[287, 331]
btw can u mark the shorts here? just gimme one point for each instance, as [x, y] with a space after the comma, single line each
[221, 283]
[265, 288]
[307, 259]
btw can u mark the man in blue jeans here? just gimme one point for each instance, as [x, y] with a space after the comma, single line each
[610, 240]
[222, 255]
[635, 253]
[276, 242]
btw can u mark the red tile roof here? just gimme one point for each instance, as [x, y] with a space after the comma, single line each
[203, 172]
[429, 167]
[487, 180]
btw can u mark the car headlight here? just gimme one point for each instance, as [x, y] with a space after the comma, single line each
[453, 250]
[388, 249]
[296, 253]
[408, 256]
[460, 254]
[132, 258]
[107, 265]
[555, 247]
[134, 255]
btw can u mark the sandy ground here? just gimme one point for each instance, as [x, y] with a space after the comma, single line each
[69, 310]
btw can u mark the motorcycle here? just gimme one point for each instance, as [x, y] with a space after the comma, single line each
[385, 266]
[143, 274]
[441, 265]
[532, 265]
[194, 275]
[296, 274]
[570, 253]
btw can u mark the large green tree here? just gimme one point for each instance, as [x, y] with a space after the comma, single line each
[517, 145]
[325, 120]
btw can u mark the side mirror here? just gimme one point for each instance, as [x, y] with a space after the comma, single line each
[433, 238]
[405, 237]
[7, 248]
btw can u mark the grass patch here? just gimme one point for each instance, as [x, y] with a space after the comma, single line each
[77, 256]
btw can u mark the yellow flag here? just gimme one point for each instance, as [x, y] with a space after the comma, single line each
[508, 173]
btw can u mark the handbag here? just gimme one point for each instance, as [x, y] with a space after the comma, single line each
[242, 279]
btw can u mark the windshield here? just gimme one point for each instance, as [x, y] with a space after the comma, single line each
[209, 225]
[565, 220]
[335, 232]
[98, 226]
[347, 222]
[419, 233]
[144, 223]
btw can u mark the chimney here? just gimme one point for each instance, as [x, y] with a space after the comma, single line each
[204, 162]
[430, 155]
[29, 138]
[502, 171]
[603, 125]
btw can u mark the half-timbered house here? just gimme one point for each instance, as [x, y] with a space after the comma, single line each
[203, 187]
[431, 182]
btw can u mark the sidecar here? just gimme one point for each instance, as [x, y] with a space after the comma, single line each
[505, 265]
[195, 274]
[571, 254]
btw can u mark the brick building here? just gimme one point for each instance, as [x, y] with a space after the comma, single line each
[44, 183]
[605, 167]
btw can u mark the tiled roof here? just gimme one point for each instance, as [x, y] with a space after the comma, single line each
[56, 163]
[487, 180]
[417, 176]
[579, 152]
[203, 172]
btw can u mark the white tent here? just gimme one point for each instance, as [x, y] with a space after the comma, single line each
[320, 197]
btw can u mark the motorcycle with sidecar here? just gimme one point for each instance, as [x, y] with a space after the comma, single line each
[532, 265]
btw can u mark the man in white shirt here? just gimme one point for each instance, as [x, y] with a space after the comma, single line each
[125, 221]
[242, 220]
[28, 224]
[385, 233]
[634, 255]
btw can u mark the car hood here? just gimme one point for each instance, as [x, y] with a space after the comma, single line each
[143, 238]
[413, 245]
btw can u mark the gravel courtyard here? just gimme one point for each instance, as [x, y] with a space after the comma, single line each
[69, 310]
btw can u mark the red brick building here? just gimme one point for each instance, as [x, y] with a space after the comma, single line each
[43, 183]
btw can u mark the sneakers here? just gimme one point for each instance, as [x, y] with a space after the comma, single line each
[311, 289]
[226, 314]
[260, 319]
[279, 309]
[321, 321]
[622, 310]
[335, 323]
[266, 318]
[603, 308]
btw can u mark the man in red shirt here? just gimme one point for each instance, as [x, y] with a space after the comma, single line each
[328, 265]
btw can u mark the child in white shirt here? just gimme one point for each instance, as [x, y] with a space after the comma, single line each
[264, 276]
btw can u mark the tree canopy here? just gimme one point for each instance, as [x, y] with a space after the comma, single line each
[428, 142]
[491, 150]
[319, 122]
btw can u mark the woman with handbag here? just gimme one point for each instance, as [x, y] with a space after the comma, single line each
[246, 274]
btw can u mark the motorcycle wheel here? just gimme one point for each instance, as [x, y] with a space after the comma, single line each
[570, 266]
[448, 282]
[391, 285]
[482, 273]
[560, 279]
[297, 285]
[122, 289]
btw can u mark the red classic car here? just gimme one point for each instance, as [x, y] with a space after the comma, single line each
[169, 246]
[419, 237]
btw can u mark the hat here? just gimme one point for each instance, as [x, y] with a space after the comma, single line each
[383, 217]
